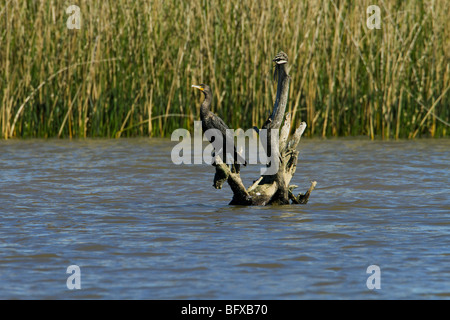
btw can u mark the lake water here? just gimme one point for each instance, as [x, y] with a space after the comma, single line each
[140, 227]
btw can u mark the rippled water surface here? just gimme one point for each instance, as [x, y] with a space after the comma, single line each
[140, 227]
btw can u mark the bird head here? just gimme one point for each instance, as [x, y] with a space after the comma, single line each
[281, 58]
[203, 88]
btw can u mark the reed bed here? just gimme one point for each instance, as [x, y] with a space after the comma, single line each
[128, 70]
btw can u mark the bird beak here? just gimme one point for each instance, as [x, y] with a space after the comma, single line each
[279, 61]
[198, 87]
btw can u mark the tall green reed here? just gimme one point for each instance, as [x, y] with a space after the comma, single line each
[128, 70]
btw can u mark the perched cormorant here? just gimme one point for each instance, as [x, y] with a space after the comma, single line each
[212, 121]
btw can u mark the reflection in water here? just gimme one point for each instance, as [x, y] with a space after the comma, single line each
[140, 227]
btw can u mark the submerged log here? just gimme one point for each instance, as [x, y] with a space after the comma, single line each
[271, 188]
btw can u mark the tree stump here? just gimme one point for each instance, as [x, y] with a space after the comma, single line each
[271, 188]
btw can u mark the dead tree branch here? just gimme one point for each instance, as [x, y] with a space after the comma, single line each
[271, 188]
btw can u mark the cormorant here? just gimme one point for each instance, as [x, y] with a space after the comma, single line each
[212, 121]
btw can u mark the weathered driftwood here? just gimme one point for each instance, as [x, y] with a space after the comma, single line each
[273, 188]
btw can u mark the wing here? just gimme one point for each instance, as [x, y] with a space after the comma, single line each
[212, 121]
[219, 124]
[222, 126]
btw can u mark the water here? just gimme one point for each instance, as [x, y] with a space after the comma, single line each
[140, 227]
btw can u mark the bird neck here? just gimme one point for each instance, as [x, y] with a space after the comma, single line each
[282, 88]
[204, 109]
